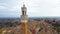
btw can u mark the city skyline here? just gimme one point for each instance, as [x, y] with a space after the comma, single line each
[35, 8]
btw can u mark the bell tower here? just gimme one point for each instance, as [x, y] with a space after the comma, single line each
[24, 17]
[24, 20]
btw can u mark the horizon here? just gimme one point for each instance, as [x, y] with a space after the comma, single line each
[33, 17]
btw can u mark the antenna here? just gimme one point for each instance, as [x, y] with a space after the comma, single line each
[23, 3]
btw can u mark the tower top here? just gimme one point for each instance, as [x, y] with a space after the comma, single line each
[23, 5]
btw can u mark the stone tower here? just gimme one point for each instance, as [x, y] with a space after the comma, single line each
[24, 20]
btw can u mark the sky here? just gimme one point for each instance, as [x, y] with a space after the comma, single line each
[35, 8]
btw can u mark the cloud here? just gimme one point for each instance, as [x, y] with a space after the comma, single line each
[34, 7]
[42, 7]
[2, 7]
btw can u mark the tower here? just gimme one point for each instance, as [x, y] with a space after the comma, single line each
[24, 20]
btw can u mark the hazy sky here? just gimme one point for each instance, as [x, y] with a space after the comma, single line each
[35, 8]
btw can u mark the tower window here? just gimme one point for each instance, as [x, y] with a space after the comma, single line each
[23, 12]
